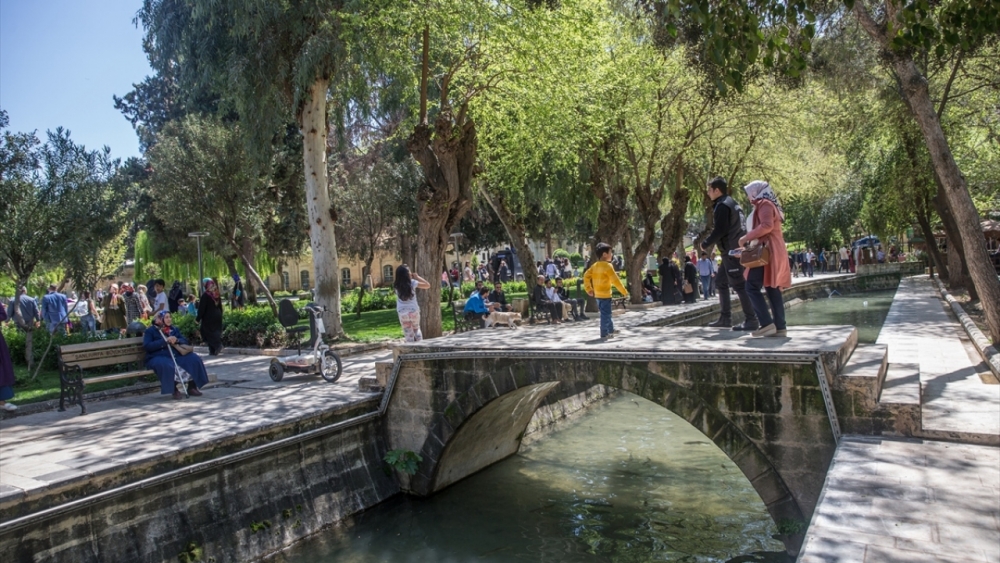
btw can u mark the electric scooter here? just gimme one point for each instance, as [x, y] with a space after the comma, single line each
[321, 359]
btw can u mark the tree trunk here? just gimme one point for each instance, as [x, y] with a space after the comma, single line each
[914, 89]
[247, 261]
[958, 272]
[674, 223]
[250, 287]
[924, 220]
[312, 121]
[612, 216]
[516, 233]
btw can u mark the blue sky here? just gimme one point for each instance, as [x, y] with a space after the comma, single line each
[62, 60]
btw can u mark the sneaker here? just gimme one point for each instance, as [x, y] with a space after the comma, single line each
[768, 330]
[780, 333]
[745, 326]
[9, 407]
[722, 322]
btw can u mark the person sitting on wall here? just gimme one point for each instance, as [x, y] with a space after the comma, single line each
[476, 306]
[499, 297]
[649, 287]
[158, 340]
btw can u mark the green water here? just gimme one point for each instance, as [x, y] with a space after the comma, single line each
[628, 481]
[867, 311]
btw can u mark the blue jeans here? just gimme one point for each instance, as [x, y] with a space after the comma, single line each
[88, 324]
[706, 287]
[607, 326]
[755, 280]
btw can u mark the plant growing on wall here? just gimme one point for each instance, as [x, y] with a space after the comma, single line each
[404, 461]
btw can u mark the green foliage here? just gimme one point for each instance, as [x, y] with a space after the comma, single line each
[403, 461]
[789, 526]
[40, 340]
[373, 300]
[252, 327]
[188, 325]
[560, 253]
[576, 259]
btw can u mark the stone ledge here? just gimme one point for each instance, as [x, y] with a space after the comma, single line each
[343, 350]
[987, 350]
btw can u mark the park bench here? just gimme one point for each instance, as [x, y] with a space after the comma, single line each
[463, 324]
[75, 358]
[537, 314]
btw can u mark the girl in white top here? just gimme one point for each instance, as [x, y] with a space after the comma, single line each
[406, 286]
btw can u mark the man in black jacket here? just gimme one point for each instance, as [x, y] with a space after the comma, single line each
[726, 235]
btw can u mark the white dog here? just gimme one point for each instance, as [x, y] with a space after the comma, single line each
[498, 318]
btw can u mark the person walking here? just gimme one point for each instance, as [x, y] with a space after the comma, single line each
[6, 370]
[725, 235]
[405, 286]
[55, 310]
[598, 281]
[209, 315]
[88, 314]
[821, 257]
[764, 227]
[706, 270]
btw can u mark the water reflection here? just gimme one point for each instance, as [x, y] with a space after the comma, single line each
[867, 311]
[627, 482]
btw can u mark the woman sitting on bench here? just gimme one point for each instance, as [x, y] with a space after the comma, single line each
[156, 340]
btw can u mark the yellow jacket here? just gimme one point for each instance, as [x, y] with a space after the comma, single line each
[600, 277]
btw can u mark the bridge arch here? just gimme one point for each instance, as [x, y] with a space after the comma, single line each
[767, 418]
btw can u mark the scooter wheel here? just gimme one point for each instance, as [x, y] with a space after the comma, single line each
[333, 367]
[277, 370]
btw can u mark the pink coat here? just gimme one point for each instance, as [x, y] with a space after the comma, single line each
[767, 228]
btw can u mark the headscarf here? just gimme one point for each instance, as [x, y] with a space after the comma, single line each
[161, 323]
[760, 189]
[114, 297]
[212, 288]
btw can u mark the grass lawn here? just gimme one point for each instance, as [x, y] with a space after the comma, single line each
[46, 387]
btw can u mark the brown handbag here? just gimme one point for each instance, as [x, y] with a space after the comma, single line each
[183, 349]
[755, 256]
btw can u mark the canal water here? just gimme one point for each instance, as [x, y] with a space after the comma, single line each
[628, 481]
[867, 311]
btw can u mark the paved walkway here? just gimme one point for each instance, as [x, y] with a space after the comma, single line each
[51, 448]
[910, 500]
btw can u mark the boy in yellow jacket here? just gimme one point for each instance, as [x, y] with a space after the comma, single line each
[597, 280]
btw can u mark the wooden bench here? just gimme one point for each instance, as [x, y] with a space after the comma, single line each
[75, 358]
[537, 314]
[462, 324]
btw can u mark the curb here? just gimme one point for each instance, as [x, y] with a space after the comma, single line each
[989, 352]
[343, 350]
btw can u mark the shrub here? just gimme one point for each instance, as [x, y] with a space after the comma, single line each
[188, 327]
[15, 342]
[576, 260]
[252, 327]
[560, 253]
[374, 300]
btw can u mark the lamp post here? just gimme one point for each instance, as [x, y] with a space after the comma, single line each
[201, 270]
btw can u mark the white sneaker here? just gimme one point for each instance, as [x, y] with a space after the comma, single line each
[9, 407]
[765, 331]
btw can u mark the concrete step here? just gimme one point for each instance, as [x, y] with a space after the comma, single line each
[900, 400]
[369, 384]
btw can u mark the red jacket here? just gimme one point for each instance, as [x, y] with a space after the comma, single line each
[767, 229]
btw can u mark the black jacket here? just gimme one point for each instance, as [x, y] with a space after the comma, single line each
[538, 296]
[728, 225]
[498, 297]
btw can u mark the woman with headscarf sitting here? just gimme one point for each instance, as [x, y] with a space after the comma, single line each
[161, 358]
[764, 227]
[210, 316]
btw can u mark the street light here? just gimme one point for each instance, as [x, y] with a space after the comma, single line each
[201, 271]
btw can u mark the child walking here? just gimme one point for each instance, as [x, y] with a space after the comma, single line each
[597, 280]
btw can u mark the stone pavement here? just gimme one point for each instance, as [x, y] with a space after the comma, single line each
[51, 449]
[902, 500]
[955, 401]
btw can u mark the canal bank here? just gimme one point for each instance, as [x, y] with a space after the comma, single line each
[277, 400]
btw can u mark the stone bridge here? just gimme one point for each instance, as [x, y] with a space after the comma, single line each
[463, 402]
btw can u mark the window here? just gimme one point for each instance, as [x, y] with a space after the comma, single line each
[284, 281]
[304, 279]
[387, 274]
[345, 276]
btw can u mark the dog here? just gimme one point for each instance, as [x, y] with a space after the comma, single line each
[497, 318]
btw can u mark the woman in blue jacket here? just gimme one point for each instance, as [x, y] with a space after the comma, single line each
[156, 341]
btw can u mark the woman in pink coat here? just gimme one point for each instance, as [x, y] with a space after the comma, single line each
[764, 227]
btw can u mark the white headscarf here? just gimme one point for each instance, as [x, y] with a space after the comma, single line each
[760, 189]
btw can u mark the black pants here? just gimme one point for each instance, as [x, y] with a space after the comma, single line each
[554, 309]
[213, 339]
[731, 275]
[755, 282]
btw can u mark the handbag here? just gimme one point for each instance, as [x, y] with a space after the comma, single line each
[183, 349]
[755, 256]
[687, 287]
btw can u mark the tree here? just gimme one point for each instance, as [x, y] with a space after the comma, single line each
[274, 63]
[731, 36]
[202, 179]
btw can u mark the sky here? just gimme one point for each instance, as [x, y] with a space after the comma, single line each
[61, 61]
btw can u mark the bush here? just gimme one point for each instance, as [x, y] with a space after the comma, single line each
[576, 260]
[560, 253]
[252, 327]
[278, 294]
[188, 327]
[374, 300]
[15, 341]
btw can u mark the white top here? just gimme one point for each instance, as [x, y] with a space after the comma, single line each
[161, 298]
[843, 253]
[408, 305]
[553, 294]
